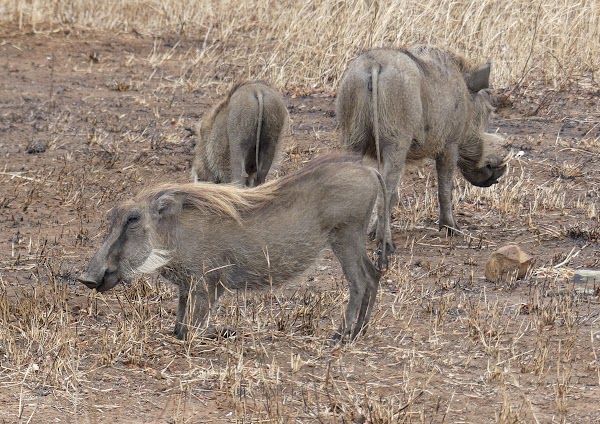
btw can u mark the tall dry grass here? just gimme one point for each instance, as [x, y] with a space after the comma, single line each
[308, 44]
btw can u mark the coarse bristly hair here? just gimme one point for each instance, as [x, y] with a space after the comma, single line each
[226, 200]
[155, 260]
[230, 200]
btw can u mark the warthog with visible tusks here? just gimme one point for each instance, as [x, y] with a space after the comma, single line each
[238, 139]
[399, 105]
[207, 238]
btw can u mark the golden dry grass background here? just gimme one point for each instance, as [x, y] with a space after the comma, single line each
[307, 44]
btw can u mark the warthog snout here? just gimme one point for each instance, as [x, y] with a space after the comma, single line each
[100, 274]
[88, 281]
[101, 283]
[487, 175]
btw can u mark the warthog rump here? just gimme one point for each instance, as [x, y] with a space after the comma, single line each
[399, 105]
[207, 238]
[238, 139]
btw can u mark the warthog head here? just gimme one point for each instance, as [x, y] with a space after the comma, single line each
[477, 161]
[128, 247]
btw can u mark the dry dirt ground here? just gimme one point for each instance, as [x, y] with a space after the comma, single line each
[87, 120]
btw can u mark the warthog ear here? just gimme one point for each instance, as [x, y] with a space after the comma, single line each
[166, 204]
[479, 79]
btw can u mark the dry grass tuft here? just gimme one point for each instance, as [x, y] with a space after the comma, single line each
[584, 232]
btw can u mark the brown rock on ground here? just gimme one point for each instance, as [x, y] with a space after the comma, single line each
[507, 261]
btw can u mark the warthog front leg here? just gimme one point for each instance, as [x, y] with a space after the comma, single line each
[180, 330]
[196, 299]
[445, 165]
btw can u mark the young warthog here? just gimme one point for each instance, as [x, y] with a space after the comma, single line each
[398, 105]
[238, 139]
[207, 238]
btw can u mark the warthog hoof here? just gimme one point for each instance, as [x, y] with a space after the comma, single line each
[335, 339]
[338, 337]
[211, 332]
[224, 332]
[450, 230]
[382, 259]
[448, 225]
[180, 331]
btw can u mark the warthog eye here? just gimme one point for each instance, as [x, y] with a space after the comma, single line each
[133, 218]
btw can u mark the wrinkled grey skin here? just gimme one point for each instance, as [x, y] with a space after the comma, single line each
[207, 238]
[238, 139]
[398, 106]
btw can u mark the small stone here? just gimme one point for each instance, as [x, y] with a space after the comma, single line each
[506, 262]
[36, 147]
[94, 57]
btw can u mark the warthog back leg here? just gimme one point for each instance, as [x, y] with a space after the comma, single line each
[445, 165]
[239, 174]
[371, 277]
[348, 244]
[267, 153]
[394, 156]
[200, 168]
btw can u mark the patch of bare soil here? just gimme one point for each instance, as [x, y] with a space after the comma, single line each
[88, 120]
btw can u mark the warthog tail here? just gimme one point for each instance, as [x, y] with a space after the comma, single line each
[259, 97]
[374, 101]
[382, 260]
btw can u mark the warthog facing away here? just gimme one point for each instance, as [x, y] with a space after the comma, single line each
[238, 139]
[398, 105]
[207, 238]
